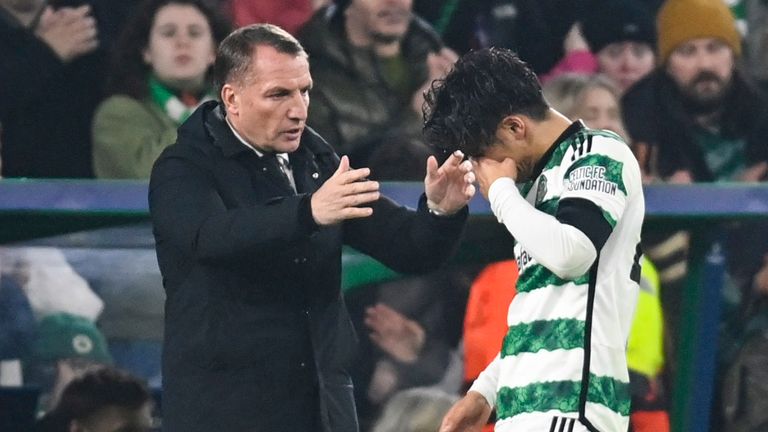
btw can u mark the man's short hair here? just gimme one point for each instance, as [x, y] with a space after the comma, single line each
[462, 111]
[236, 52]
[95, 390]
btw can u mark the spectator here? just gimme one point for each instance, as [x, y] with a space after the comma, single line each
[50, 83]
[102, 400]
[413, 327]
[161, 73]
[371, 62]
[415, 410]
[288, 14]
[66, 347]
[695, 118]
[535, 29]
[622, 35]
[592, 99]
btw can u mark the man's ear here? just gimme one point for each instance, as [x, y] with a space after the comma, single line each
[230, 98]
[514, 125]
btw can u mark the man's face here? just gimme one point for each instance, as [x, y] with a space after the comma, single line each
[626, 62]
[269, 107]
[702, 69]
[386, 20]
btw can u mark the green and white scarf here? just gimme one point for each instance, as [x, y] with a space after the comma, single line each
[177, 110]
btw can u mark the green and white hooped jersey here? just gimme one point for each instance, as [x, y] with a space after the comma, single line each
[564, 353]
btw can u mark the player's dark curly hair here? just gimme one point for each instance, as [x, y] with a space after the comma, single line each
[462, 111]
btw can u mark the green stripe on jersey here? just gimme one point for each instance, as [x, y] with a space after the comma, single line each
[562, 396]
[537, 276]
[557, 155]
[613, 168]
[549, 335]
[549, 206]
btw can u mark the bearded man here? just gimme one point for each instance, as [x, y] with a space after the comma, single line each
[696, 118]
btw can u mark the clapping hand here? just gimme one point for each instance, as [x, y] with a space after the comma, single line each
[70, 32]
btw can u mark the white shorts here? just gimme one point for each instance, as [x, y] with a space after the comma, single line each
[540, 423]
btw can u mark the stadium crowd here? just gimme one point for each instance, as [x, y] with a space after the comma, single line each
[96, 89]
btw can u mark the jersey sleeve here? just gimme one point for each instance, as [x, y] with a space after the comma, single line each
[602, 170]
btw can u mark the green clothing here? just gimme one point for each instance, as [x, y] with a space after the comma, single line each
[724, 157]
[128, 135]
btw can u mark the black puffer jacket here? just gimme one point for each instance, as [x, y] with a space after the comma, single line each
[352, 105]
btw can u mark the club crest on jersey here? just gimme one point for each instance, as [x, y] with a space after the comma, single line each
[541, 190]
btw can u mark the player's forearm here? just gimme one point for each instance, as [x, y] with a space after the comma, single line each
[487, 382]
[561, 248]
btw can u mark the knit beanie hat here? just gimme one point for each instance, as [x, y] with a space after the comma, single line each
[612, 21]
[63, 335]
[682, 20]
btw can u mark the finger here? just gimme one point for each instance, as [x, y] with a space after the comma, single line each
[82, 10]
[432, 167]
[469, 177]
[466, 166]
[47, 17]
[360, 187]
[356, 200]
[452, 162]
[470, 191]
[354, 175]
[343, 166]
[356, 212]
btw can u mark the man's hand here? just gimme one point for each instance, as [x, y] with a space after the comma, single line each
[338, 198]
[449, 187]
[69, 32]
[488, 171]
[754, 173]
[394, 333]
[469, 414]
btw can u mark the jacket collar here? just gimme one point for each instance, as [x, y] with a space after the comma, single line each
[223, 138]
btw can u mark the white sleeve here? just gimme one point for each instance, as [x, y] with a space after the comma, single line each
[561, 248]
[487, 382]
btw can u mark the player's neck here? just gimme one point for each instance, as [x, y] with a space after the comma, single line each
[548, 131]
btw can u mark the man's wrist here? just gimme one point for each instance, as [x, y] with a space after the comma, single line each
[434, 209]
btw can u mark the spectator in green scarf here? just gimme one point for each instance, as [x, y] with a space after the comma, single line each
[161, 73]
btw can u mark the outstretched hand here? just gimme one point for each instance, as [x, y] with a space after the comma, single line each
[339, 197]
[450, 186]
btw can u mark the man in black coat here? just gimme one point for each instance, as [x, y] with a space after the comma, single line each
[257, 337]
[51, 71]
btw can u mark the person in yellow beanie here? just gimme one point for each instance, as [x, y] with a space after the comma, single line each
[680, 21]
[696, 118]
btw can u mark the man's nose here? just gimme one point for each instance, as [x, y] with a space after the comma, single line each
[299, 108]
[705, 61]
